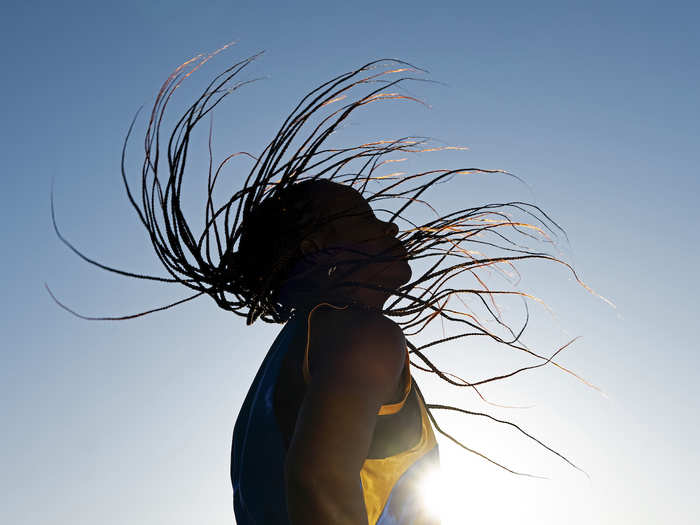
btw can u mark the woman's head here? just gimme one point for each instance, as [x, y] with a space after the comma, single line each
[319, 240]
[299, 228]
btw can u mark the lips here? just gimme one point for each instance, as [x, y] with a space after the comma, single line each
[398, 250]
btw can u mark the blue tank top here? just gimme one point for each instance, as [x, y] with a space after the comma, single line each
[392, 486]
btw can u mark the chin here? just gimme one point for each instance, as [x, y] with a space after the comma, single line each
[407, 272]
[397, 274]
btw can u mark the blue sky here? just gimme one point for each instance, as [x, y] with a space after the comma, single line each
[594, 104]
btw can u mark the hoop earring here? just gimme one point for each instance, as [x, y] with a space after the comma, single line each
[331, 271]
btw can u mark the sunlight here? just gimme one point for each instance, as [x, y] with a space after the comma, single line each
[442, 497]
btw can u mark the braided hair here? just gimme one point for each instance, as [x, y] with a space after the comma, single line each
[233, 260]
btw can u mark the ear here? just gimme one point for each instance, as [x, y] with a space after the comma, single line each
[309, 246]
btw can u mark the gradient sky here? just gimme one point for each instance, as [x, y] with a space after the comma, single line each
[594, 104]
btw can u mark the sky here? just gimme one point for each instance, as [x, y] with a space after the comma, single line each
[593, 104]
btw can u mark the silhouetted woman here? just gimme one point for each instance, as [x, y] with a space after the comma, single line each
[334, 429]
[333, 419]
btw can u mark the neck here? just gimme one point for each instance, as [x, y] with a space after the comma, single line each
[366, 299]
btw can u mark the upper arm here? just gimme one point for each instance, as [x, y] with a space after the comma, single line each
[357, 365]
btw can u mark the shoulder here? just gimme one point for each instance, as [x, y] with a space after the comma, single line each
[353, 326]
[353, 341]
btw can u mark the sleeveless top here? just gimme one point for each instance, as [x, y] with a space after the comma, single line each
[391, 486]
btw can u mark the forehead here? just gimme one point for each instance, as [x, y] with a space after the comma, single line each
[337, 199]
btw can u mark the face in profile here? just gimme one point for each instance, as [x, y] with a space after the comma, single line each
[362, 247]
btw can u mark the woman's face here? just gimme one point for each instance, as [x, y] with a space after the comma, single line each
[362, 247]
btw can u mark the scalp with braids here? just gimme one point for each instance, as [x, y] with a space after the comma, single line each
[249, 243]
[269, 247]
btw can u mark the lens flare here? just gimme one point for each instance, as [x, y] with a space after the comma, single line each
[443, 497]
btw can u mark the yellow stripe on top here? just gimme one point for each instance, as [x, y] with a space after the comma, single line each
[384, 410]
[379, 476]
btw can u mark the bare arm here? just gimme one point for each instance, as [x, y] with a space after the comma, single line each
[358, 358]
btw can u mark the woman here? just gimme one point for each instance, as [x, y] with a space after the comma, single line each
[334, 429]
[347, 438]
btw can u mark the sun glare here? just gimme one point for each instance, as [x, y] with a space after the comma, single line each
[443, 497]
